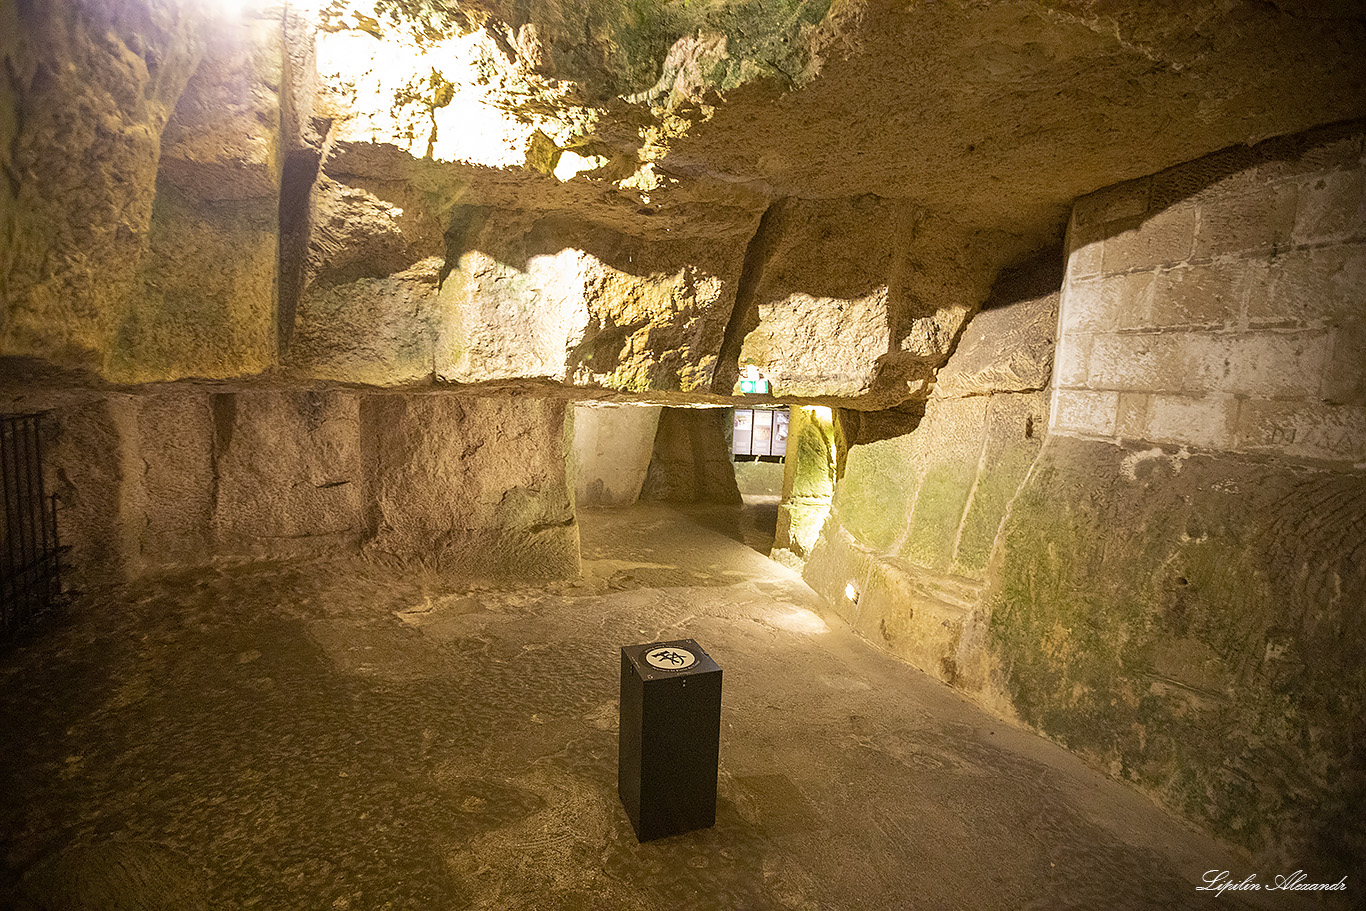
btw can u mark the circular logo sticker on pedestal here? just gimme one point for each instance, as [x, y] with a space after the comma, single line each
[670, 658]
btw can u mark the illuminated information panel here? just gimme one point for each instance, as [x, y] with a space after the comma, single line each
[760, 432]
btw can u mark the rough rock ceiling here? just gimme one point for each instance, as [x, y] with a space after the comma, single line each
[612, 195]
[995, 113]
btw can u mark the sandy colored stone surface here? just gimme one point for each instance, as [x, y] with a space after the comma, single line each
[472, 487]
[1008, 346]
[1216, 305]
[691, 462]
[584, 304]
[362, 306]
[286, 471]
[931, 490]
[1194, 663]
[183, 475]
[604, 199]
[957, 545]
[313, 735]
[759, 479]
[656, 135]
[855, 299]
[613, 445]
[809, 471]
[82, 149]
[989, 111]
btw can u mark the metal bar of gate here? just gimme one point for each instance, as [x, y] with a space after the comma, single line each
[56, 550]
[35, 561]
[27, 552]
[9, 591]
[40, 511]
[15, 518]
[32, 553]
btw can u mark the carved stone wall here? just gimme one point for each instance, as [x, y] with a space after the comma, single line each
[465, 485]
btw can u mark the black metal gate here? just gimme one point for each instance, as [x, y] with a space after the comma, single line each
[30, 565]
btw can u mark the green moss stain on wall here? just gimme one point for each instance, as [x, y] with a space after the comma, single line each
[813, 445]
[871, 500]
[1158, 615]
[763, 38]
[935, 497]
[997, 485]
[1013, 436]
[811, 453]
[938, 512]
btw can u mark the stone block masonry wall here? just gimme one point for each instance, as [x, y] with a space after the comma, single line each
[1219, 305]
[1170, 582]
[1177, 590]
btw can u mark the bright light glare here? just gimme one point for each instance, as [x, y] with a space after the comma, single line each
[798, 620]
[377, 81]
[819, 412]
[572, 163]
[851, 592]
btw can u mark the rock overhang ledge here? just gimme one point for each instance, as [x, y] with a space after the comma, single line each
[720, 150]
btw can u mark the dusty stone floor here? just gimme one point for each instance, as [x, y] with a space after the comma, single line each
[329, 735]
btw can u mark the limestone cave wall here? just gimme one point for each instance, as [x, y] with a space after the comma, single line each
[309, 279]
[1171, 579]
[815, 457]
[613, 446]
[143, 150]
[460, 485]
[856, 301]
[1208, 411]
[920, 496]
[691, 460]
[611, 196]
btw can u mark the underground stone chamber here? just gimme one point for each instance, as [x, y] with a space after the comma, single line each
[441, 313]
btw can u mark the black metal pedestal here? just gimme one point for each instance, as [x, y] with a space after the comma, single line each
[670, 737]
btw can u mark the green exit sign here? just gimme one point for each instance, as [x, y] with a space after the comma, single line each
[754, 386]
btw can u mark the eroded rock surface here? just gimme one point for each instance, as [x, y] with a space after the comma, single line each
[471, 487]
[459, 485]
[584, 304]
[857, 299]
[609, 199]
[691, 461]
[194, 194]
[91, 89]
